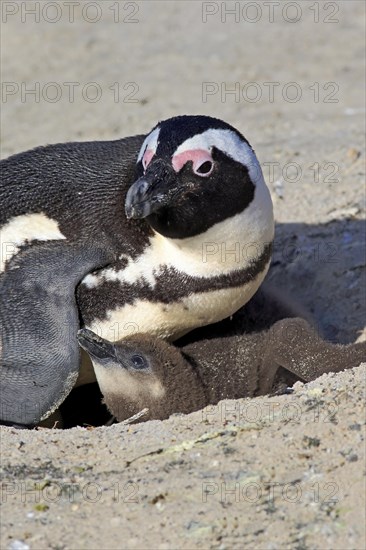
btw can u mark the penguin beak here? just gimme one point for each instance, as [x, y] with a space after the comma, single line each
[152, 191]
[95, 346]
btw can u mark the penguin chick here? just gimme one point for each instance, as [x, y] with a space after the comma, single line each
[142, 371]
[170, 231]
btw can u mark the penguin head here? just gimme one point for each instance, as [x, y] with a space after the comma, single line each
[193, 172]
[142, 371]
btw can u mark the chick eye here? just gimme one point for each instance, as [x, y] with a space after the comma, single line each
[204, 169]
[138, 362]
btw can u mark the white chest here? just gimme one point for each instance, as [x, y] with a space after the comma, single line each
[227, 248]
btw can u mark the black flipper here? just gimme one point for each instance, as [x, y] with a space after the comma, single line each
[38, 324]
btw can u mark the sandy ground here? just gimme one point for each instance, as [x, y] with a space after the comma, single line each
[269, 473]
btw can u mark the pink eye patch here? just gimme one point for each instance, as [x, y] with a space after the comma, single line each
[197, 156]
[146, 159]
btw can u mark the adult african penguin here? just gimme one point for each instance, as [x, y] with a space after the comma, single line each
[210, 221]
[159, 234]
[143, 371]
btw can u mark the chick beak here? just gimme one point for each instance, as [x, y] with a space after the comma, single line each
[95, 346]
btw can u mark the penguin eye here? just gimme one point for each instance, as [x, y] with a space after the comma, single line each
[138, 362]
[204, 169]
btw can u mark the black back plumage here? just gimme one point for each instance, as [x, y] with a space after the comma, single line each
[80, 185]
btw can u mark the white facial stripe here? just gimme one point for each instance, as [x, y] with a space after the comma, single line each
[171, 321]
[23, 229]
[228, 142]
[150, 142]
